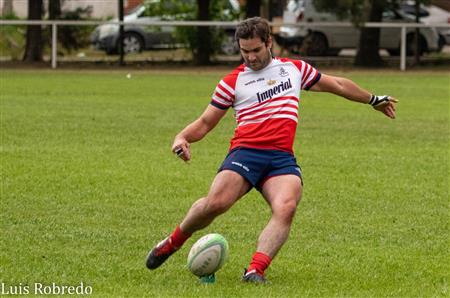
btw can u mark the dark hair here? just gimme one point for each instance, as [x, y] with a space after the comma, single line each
[251, 28]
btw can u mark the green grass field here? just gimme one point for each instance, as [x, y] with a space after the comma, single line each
[88, 185]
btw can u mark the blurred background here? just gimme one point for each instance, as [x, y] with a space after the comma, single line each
[324, 31]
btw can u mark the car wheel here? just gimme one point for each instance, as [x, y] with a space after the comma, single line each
[315, 44]
[292, 43]
[393, 52]
[410, 45]
[132, 43]
[333, 52]
[441, 42]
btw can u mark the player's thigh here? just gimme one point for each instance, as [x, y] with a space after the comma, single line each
[228, 186]
[281, 190]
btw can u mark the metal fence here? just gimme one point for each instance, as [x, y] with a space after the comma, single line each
[55, 23]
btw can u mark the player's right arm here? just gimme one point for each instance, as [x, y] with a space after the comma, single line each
[196, 131]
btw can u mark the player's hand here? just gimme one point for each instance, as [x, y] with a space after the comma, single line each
[384, 104]
[181, 148]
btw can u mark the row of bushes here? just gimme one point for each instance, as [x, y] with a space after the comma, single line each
[12, 39]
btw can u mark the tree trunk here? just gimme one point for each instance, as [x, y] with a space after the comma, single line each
[33, 47]
[121, 33]
[253, 8]
[203, 51]
[416, 35]
[7, 9]
[54, 9]
[276, 8]
[369, 41]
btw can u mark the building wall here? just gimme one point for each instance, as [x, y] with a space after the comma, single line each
[100, 8]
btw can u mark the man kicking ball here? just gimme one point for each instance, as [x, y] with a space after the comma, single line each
[264, 93]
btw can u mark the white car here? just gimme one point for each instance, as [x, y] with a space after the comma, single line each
[431, 15]
[326, 40]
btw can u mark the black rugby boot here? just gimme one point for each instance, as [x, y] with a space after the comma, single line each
[253, 277]
[160, 253]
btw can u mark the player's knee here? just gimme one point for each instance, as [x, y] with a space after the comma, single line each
[216, 205]
[285, 209]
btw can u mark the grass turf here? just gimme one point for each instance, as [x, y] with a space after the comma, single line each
[88, 185]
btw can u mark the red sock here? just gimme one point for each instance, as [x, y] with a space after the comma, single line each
[260, 262]
[178, 237]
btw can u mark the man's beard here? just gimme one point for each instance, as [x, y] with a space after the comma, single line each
[259, 64]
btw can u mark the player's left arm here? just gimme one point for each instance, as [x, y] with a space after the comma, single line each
[350, 90]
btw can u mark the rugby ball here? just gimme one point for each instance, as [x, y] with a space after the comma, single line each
[207, 255]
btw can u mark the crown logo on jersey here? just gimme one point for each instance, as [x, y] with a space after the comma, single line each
[271, 82]
[283, 72]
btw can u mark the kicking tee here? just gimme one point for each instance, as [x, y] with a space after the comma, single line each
[265, 102]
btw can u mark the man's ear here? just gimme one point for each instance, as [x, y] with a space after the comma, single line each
[269, 42]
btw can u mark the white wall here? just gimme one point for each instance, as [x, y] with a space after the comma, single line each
[19, 6]
[100, 8]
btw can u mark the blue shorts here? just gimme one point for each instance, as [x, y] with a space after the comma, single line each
[257, 165]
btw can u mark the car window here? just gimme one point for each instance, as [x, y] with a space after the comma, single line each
[411, 10]
[390, 15]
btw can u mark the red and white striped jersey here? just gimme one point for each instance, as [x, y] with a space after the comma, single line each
[265, 102]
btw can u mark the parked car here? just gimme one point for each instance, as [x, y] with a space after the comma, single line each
[136, 37]
[430, 14]
[326, 40]
[143, 37]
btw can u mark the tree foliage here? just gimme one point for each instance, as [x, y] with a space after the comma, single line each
[352, 9]
[70, 37]
[75, 37]
[219, 10]
[203, 41]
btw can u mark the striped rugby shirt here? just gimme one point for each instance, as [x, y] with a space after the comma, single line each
[265, 102]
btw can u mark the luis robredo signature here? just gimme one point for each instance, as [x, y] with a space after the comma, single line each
[38, 288]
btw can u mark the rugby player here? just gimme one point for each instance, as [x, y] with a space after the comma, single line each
[264, 93]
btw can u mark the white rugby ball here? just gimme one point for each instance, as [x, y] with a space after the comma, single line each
[207, 255]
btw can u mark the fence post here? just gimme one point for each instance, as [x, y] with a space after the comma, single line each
[403, 49]
[54, 44]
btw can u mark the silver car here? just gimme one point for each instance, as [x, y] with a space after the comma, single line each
[136, 37]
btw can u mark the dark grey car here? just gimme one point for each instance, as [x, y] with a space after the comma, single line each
[143, 37]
